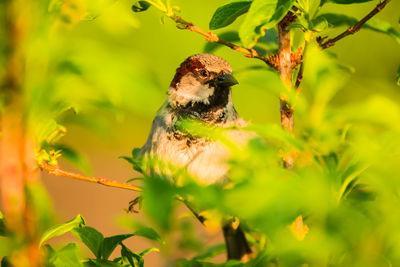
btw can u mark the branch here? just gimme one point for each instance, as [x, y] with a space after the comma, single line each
[212, 37]
[286, 65]
[56, 171]
[353, 29]
[299, 77]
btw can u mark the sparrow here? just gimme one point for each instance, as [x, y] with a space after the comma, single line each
[200, 90]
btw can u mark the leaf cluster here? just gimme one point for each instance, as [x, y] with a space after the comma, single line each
[100, 246]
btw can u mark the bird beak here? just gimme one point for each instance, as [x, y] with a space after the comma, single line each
[226, 80]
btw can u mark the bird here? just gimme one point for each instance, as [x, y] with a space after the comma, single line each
[200, 90]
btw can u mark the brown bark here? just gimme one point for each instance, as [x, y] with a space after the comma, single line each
[285, 67]
[17, 161]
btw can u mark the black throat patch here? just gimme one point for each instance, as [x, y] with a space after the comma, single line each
[210, 112]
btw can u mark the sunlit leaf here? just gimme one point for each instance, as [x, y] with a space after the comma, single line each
[61, 229]
[110, 243]
[140, 6]
[132, 258]
[148, 233]
[336, 20]
[228, 13]
[262, 15]
[140, 229]
[64, 257]
[92, 238]
[148, 250]
[135, 160]
[100, 263]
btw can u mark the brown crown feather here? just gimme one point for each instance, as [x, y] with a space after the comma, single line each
[189, 65]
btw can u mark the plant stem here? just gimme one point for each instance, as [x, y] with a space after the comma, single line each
[299, 77]
[212, 37]
[17, 162]
[285, 67]
[56, 171]
[355, 28]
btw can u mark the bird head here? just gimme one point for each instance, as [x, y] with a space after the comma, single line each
[201, 83]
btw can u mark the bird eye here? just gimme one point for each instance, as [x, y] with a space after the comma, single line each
[203, 73]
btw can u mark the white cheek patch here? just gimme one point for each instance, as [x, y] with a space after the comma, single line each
[188, 90]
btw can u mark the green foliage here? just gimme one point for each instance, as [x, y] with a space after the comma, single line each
[61, 229]
[110, 243]
[101, 247]
[336, 20]
[228, 13]
[140, 230]
[92, 238]
[81, 70]
[140, 6]
[64, 257]
[262, 15]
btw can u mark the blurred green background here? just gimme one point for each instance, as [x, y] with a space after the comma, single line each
[130, 59]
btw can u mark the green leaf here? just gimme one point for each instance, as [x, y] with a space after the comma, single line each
[383, 27]
[319, 24]
[135, 160]
[228, 13]
[398, 77]
[100, 263]
[262, 15]
[5, 263]
[337, 20]
[149, 233]
[61, 229]
[140, 229]
[92, 238]
[133, 259]
[65, 257]
[148, 250]
[230, 36]
[110, 243]
[140, 6]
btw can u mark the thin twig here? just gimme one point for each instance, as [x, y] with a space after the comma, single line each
[299, 76]
[199, 217]
[212, 37]
[355, 28]
[57, 171]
